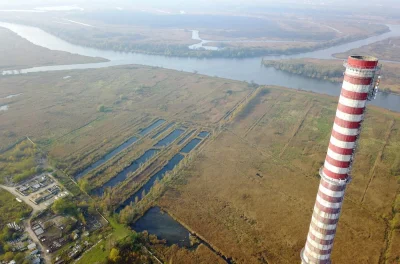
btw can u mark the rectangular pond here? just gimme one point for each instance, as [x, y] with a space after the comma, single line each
[150, 128]
[107, 157]
[203, 134]
[186, 137]
[163, 130]
[170, 138]
[191, 145]
[124, 174]
[159, 175]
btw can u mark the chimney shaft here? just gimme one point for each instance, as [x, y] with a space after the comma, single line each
[360, 84]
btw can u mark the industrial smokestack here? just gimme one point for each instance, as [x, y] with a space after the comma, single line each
[360, 85]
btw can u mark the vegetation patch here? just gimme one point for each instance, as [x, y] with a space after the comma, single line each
[19, 163]
[10, 211]
[332, 70]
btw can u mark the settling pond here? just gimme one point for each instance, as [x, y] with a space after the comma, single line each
[163, 226]
[119, 149]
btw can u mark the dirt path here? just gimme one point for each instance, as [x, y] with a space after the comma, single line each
[46, 256]
[378, 159]
[299, 125]
[262, 117]
[229, 114]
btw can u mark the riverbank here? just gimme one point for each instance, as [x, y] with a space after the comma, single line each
[243, 69]
[229, 51]
[332, 70]
[388, 49]
[16, 53]
[180, 42]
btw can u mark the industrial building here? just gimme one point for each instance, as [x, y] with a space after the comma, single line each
[361, 81]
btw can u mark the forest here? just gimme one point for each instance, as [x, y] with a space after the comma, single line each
[332, 70]
[324, 70]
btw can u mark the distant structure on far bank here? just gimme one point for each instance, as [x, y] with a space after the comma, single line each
[361, 82]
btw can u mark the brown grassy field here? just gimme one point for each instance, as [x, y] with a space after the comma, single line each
[332, 70]
[63, 116]
[250, 192]
[388, 49]
[17, 53]
[64, 112]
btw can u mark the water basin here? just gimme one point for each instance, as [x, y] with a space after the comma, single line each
[191, 145]
[130, 169]
[163, 226]
[170, 138]
[107, 157]
[159, 175]
[186, 137]
[162, 130]
[203, 134]
[148, 129]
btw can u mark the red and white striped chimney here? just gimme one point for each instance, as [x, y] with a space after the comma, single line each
[360, 84]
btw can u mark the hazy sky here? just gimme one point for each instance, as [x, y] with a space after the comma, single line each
[191, 4]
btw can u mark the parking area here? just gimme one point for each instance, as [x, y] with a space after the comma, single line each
[38, 192]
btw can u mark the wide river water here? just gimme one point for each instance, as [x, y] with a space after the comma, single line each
[249, 69]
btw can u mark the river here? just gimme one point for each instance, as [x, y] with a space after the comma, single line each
[249, 69]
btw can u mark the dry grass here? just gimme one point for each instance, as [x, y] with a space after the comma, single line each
[63, 112]
[243, 194]
[62, 116]
[256, 207]
[17, 53]
[176, 255]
